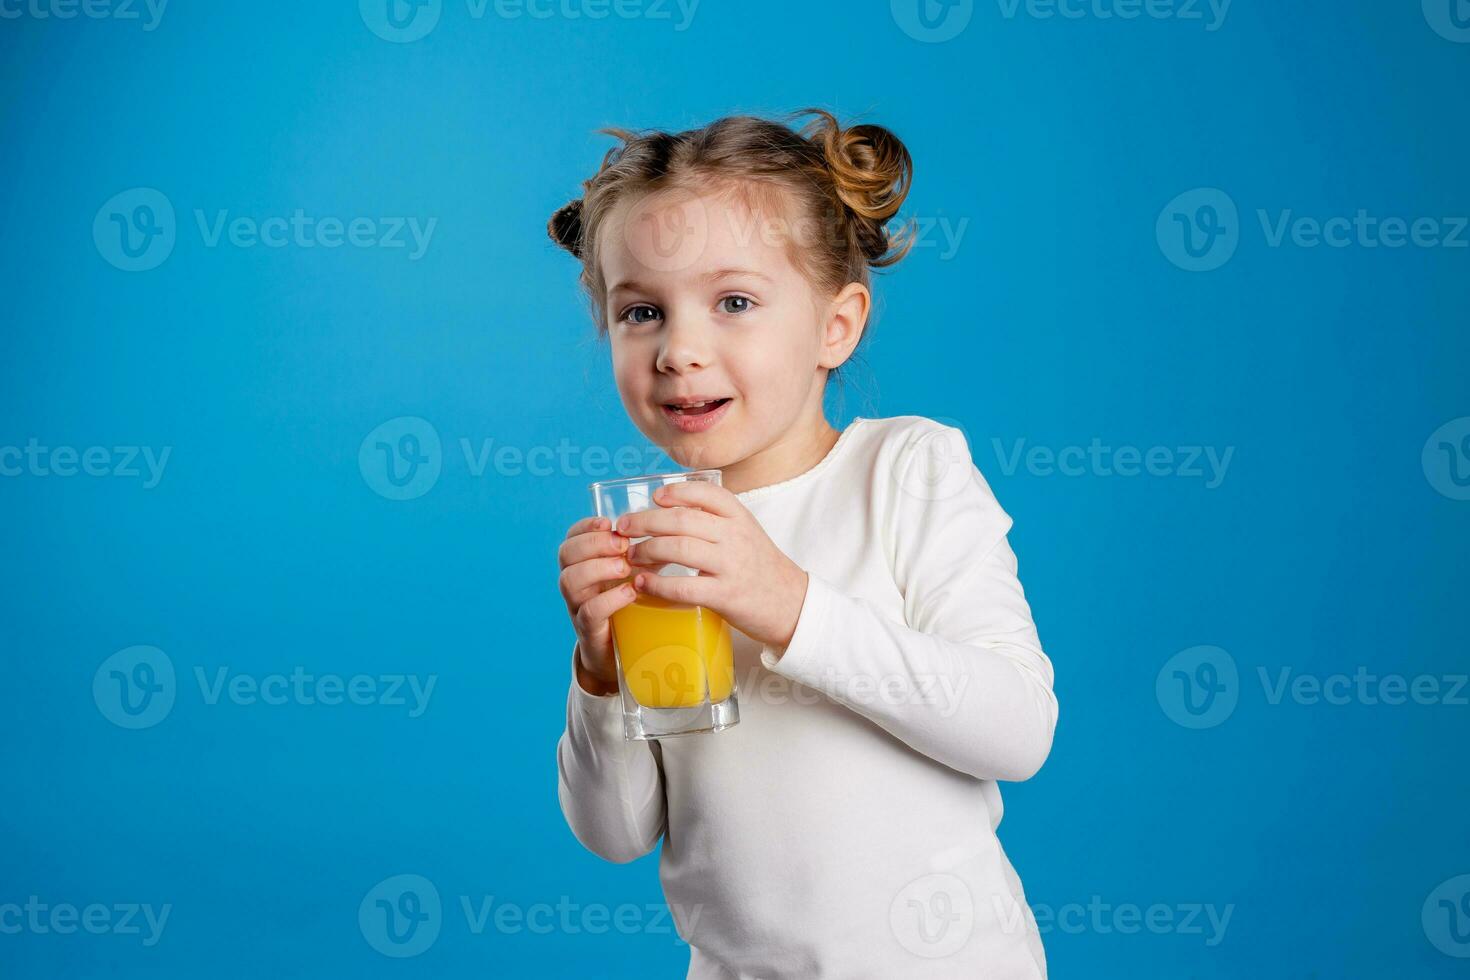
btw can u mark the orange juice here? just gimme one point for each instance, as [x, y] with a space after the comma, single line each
[672, 652]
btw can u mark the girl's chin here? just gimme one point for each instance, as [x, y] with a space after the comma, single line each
[694, 457]
[694, 450]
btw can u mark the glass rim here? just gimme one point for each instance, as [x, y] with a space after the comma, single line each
[647, 478]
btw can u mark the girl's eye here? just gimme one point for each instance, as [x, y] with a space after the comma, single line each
[735, 304]
[643, 313]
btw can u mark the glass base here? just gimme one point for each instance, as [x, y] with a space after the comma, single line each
[641, 724]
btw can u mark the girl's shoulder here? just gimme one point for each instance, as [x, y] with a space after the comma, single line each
[898, 437]
[926, 462]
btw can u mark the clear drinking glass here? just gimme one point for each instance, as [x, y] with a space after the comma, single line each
[676, 664]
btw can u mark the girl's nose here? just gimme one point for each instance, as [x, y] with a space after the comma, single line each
[685, 347]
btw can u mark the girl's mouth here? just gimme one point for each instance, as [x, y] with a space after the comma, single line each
[696, 418]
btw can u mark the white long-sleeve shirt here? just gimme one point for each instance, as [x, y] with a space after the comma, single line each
[845, 828]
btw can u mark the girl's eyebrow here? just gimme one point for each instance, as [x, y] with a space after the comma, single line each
[736, 273]
[632, 285]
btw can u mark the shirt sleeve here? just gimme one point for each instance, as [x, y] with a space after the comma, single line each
[611, 789]
[963, 678]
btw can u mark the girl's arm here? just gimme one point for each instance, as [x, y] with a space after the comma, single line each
[964, 679]
[611, 790]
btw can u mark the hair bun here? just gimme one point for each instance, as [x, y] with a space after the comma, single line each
[871, 175]
[565, 227]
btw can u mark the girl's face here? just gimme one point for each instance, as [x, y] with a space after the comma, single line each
[703, 304]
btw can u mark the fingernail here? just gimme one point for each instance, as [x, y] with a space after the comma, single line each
[623, 545]
[638, 582]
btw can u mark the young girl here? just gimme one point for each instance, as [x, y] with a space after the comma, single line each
[888, 670]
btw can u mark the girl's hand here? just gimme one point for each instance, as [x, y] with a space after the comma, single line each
[591, 557]
[743, 575]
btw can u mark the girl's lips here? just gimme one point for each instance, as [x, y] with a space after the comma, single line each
[696, 423]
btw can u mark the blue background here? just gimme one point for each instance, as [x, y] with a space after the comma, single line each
[1060, 319]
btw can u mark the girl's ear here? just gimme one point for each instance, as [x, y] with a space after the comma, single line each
[847, 316]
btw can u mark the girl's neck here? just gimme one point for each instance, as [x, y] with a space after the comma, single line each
[795, 452]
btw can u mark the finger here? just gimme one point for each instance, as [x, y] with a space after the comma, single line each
[690, 552]
[599, 609]
[591, 544]
[688, 521]
[586, 524]
[583, 580]
[696, 493]
[696, 590]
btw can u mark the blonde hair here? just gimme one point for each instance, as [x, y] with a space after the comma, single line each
[849, 181]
